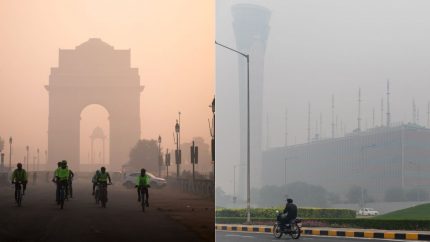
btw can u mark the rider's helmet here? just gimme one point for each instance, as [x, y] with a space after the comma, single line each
[19, 165]
[103, 169]
[289, 200]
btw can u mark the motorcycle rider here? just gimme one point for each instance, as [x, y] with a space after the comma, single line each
[19, 175]
[290, 213]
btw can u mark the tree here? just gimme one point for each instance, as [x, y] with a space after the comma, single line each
[144, 155]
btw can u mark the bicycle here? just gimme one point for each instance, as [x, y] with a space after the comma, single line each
[144, 198]
[103, 193]
[18, 193]
[97, 193]
[62, 194]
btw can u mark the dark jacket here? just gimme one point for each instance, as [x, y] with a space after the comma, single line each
[291, 211]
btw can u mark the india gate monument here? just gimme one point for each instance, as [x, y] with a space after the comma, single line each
[93, 73]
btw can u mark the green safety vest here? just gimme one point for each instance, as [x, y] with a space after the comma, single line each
[63, 174]
[103, 177]
[19, 175]
[143, 180]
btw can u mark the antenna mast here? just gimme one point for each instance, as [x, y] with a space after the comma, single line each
[388, 104]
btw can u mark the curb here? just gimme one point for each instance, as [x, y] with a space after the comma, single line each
[331, 232]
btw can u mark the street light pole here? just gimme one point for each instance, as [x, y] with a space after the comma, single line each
[178, 151]
[38, 158]
[159, 156]
[248, 183]
[10, 153]
[27, 148]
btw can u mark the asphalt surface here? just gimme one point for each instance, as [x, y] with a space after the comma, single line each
[227, 236]
[40, 219]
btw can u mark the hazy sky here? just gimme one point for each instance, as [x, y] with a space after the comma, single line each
[319, 48]
[171, 43]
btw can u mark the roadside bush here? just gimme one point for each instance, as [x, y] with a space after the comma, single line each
[302, 212]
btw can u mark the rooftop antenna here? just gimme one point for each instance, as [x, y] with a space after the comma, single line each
[418, 116]
[388, 104]
[286, 127]
[359, 110]
[267, 132]
[332, 116]
[309, 122]
[382, 112]
[428, 115]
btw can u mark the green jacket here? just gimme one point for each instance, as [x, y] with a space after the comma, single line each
[103, 177]
[143, 181]
[19, 175]
[63, 174]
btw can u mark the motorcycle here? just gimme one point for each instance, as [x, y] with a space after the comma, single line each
[279, 228]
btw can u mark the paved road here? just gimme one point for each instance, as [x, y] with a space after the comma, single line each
[225, 236]
[40, 219]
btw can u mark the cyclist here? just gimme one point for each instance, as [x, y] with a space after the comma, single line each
[19, 175]
[103, 176]
[54, 179]
[69, 185]
[63, 175]
[94, 180]
[142, 185]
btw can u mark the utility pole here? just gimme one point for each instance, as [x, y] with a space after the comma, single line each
[286, 127]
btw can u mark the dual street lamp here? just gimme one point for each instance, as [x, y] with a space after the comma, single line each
[248, 200]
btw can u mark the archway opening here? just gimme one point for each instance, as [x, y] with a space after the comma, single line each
[94, 138]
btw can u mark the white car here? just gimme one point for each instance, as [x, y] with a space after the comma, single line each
[131, 178]
[367, 212]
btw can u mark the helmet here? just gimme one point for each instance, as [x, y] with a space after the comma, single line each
[289, 200]
[19, 165]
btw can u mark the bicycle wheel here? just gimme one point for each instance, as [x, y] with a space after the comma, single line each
[19, 200]
[62, 197]
[143, 201]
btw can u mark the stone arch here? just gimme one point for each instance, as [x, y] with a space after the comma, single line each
[93, 73]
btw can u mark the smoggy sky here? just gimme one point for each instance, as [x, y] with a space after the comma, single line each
[319, 48]
[171, 43]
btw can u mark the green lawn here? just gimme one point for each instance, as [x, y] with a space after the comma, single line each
[417, 212]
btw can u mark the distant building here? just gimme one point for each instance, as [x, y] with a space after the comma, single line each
[377, 159]
[251, 29]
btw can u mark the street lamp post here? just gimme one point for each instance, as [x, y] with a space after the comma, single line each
[248, 183]
[38, 158]
[159, 156]
[167, 160]
[212, 132]
[27, 148]
[177, 151]
[10, 153]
